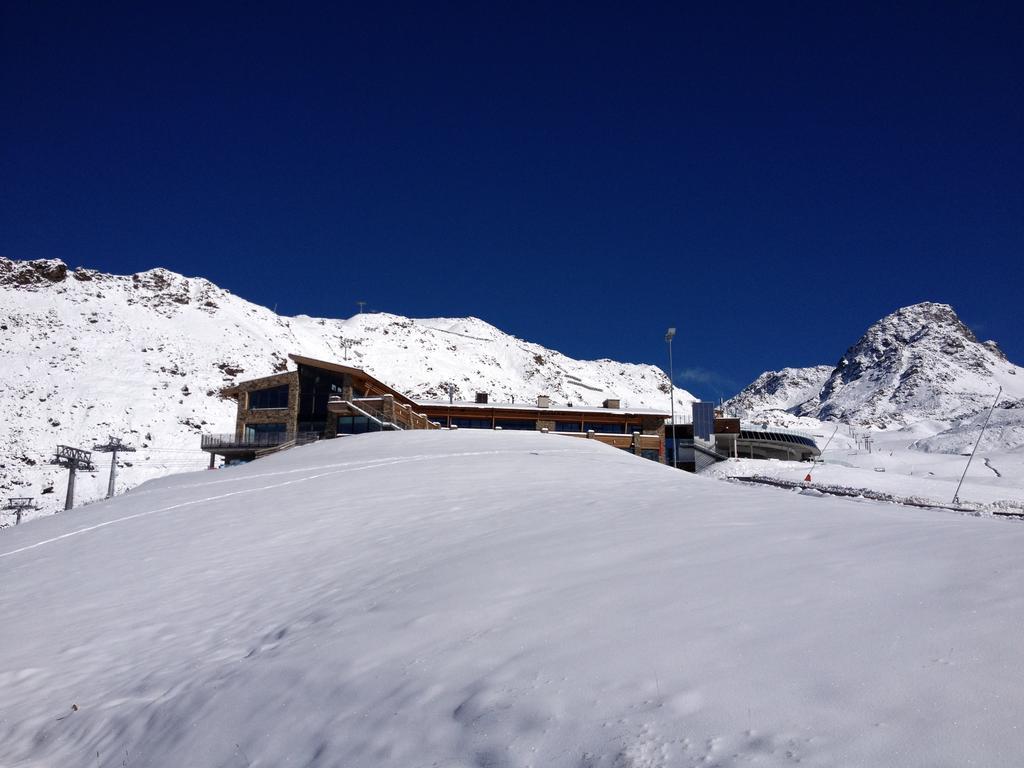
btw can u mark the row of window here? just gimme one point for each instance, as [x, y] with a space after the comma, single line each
[465, 422]
[263, 429]
[273, 397]
[596, 426]
[356, 425]
[651, 454]
[779, 437]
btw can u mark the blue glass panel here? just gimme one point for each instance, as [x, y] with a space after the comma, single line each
[516, 424]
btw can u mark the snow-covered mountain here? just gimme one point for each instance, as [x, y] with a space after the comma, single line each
[781, 390]
[84, 355]
[919, 363]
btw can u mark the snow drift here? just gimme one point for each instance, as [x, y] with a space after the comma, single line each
[504, 599]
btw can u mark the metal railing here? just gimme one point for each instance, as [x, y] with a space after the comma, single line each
[402, 416]
[361, 405]
[256, 441]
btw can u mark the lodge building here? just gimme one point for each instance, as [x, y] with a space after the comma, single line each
[321, 400]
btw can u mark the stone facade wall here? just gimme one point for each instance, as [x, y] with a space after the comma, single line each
[289, 415]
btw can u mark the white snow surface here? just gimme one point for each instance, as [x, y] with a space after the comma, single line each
[478, 598]
[1003, 431]
[924, 461]
[85, 355]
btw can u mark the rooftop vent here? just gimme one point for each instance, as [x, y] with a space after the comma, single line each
[611, 403]
[481, 397]
[543, 401]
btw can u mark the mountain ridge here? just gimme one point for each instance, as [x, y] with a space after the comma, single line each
[84, 354]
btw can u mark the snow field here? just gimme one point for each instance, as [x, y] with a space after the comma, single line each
[504, 599]
[898, 465]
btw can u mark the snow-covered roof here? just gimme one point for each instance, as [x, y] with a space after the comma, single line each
[552, 408]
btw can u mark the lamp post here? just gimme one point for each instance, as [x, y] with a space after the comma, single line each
[669, 335]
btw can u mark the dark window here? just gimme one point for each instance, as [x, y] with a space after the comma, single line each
[266, 434]
[465, 423]
[780, 437]
[260, 429]
[315, 387]
[567, 426]
[274, 397]
[650, 453]
[603, 428]
[516, 424]
[356, 425]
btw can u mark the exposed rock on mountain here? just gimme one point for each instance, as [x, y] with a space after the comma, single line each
[84, 355]
[920, 362]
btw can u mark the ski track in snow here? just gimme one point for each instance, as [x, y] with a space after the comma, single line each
[345, 467]
[506, 600]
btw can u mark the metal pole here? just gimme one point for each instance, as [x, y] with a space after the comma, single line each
[822, 454]
[69, 500]
[669, 335]
[956, 496]
[672, 394]
[113, 474]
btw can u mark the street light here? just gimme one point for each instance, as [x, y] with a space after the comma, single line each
[669, 335]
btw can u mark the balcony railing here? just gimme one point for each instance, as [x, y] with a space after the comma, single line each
[256, 441]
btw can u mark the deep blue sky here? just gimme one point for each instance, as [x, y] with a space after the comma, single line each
[770, 178]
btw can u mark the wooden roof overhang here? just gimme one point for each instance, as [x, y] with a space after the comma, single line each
[369, 386]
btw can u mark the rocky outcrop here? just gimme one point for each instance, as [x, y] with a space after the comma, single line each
[26, 274]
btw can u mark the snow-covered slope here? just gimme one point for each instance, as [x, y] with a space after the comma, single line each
[504, 599]
[780, 390]
[1005, 431]
[84, 355]
[919, 363]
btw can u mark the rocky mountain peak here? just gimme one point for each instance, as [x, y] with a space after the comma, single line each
[938, 323]
[920, 362]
